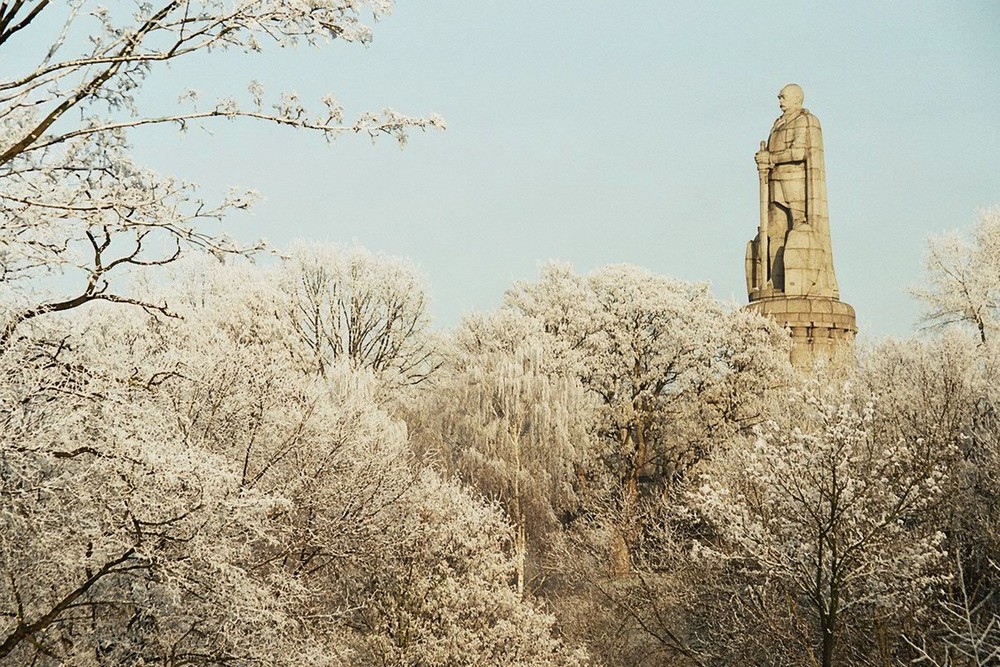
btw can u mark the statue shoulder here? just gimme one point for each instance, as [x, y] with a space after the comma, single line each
[809, 119]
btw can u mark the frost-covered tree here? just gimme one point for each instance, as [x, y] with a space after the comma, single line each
[72, 198]
[925, 388]
[353, 516]
[963, 289]
[943, 390]
[674, 374]
[963, 277]
[229, 370]
[832, 517]
[441, 594]
[642, 340]
[673, 370]
[505, 416]
[121, 543]
[349, 305]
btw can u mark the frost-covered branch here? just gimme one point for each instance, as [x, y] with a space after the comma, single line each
[963, 278]
[25, 629]
[65, 176]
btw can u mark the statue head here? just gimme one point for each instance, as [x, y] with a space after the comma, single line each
[790, 98]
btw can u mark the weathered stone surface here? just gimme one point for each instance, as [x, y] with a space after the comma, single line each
[821, 328]
[792, 253]
[789, 264]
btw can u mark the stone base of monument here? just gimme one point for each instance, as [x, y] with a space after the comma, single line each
[822, 329]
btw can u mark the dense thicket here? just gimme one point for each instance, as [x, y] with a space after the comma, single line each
[611, 469]
[193, 490]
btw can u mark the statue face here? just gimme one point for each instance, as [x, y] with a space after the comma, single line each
[790, 98]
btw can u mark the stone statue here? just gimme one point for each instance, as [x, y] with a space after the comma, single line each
[789, 264]
[792, 254]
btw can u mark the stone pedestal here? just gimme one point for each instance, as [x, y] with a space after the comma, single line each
[822, 328]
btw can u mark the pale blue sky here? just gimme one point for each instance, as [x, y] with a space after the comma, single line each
[602, 132]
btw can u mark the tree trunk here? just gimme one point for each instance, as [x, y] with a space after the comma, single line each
[829, 626]
[621, 560]
[521, 553]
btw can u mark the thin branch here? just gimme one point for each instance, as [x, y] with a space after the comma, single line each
[8, 15]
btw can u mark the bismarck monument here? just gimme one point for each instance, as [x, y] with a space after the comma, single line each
[789, 264]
